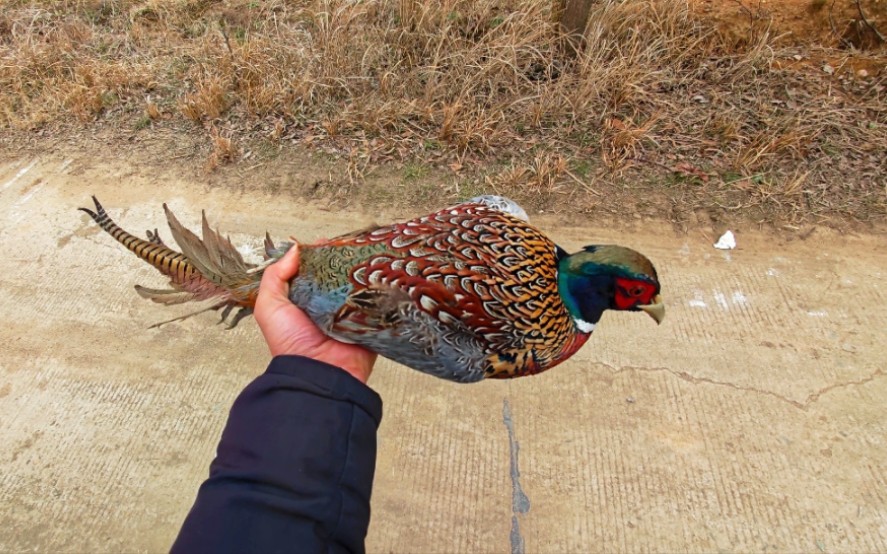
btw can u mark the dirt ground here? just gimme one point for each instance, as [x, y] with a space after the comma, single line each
[801, 22]
[751, 420]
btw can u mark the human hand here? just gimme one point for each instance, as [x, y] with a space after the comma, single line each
[289, 331]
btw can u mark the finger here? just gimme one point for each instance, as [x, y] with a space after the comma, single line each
[288, 266]
[275, 279]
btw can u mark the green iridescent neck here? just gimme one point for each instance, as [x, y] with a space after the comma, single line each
[582, 288]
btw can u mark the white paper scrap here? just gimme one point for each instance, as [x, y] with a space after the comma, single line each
[726, 242]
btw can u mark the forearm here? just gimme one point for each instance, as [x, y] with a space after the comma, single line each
[295, 465]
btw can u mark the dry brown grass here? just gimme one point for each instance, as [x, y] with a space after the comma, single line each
[466, 81]
[538, 176]
[224, 151]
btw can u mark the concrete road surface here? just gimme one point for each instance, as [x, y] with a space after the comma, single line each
[753, 419]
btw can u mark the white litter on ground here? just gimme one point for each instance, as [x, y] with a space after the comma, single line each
[726, 242]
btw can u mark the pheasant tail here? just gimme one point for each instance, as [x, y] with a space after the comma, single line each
[208, 268]
[215, 258]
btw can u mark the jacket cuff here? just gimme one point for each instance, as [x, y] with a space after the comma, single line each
[327, 380]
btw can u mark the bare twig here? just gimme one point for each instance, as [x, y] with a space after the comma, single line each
[224, 34]
[867, 22]
[582, 183]
[831, 22]
[744, 8]
[751, 17]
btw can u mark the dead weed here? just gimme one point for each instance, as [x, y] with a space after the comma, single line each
[458, 81]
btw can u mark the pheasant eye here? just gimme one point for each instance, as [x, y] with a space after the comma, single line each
[636, 291]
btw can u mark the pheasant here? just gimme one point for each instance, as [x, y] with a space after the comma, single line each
[466, 293]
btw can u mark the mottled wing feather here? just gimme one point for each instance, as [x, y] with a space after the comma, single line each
[387, 321]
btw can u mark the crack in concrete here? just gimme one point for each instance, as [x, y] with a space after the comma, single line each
[810, 400]
[520, 502]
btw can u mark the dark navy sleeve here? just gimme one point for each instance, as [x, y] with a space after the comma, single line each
[294, 468]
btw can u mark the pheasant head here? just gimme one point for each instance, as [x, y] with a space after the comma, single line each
[607, 277]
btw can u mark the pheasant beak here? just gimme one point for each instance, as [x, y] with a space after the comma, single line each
[656, 310]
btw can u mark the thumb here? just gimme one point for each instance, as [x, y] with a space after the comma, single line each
[275, 278]
[288, 265]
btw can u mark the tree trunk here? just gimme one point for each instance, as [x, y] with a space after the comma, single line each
[574, 17]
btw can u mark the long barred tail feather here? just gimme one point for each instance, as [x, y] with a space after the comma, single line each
[164, 259]
[205, 269]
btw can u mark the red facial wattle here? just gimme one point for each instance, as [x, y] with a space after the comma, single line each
[631, 293]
